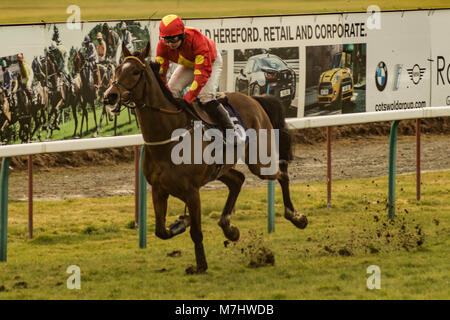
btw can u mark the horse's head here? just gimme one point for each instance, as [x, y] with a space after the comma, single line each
[128, 77]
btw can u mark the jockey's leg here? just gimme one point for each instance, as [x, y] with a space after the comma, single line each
[179, 80]
[215, 109]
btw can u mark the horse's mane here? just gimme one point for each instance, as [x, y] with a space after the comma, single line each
[154, 66]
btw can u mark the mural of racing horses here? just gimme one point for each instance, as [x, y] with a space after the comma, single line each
[88, 92]
[159, 114]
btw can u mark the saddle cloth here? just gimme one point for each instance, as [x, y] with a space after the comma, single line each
[208, 122]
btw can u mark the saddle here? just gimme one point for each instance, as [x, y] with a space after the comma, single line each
[199, 111]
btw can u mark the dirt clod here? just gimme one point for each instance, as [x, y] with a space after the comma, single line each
[345, 252]
[20, 285]
[175, 253]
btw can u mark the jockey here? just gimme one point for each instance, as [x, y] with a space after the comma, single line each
[200, 64]
[26, 77]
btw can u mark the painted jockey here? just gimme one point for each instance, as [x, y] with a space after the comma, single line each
[200, 64]
[101, 48]
[112, 40]
[127, 38]
[59, 56]
[7, 78]
[26, 77]
[92, 57]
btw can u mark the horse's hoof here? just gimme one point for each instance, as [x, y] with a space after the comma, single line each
[193, 270]
[299, 220]
[177, 227]
[234, 234]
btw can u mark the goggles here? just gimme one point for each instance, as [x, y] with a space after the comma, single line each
[172, 39]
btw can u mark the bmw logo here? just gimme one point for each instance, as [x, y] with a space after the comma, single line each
[381, 76]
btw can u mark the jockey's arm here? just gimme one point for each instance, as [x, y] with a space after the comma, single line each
[163, 60]
[202, 70]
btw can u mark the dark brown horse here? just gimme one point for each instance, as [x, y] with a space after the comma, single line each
[159, 114]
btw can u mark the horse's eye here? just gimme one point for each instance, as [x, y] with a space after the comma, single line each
[136, 72]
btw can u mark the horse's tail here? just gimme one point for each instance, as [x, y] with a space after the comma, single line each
[275, 110]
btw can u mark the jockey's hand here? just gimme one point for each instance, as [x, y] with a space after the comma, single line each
[189, 97]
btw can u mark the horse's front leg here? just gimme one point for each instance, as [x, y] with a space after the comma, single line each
[159, 198]
[193, 202]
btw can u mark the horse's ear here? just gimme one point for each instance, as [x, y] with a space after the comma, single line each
[145, 52]
[125, 50]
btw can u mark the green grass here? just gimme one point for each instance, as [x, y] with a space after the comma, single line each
[97, 236]
[126, 124]
[28, 11]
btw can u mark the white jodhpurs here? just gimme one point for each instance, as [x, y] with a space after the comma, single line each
[183, 77]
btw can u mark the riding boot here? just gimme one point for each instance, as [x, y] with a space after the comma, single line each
[217, 111]
[220, 115]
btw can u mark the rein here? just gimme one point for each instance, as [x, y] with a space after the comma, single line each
[144, 66]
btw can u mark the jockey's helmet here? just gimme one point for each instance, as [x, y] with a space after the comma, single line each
[99, 35]
[87, 39]
[171, 25]
[53, 45]
[20, 57]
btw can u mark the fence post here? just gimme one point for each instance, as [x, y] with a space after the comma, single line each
[30, 196]
[418, 169]
[392, 167]
[4, 209]
[328, 167]
[270, 198]
[142, 204]
[271, 206]
[136, 186]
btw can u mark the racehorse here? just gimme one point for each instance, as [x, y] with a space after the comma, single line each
[88, 92]
[159, 114]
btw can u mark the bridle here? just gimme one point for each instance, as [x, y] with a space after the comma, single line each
[129, 103]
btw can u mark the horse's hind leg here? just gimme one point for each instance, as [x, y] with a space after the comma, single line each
[299, 220]
[234, 181]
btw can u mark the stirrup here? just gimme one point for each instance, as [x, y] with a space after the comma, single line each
[234, 136]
